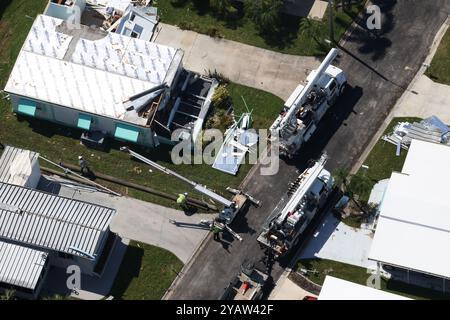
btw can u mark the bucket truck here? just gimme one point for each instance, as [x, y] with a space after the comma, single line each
[305, 197]
[307, 105]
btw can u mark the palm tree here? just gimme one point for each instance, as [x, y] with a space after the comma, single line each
[352, 184]
[311, 28]
[223, 8]
[265, 13]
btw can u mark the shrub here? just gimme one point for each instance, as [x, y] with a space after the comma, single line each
[218, 76]
[220, 120]
[221, 98]
[213, 32]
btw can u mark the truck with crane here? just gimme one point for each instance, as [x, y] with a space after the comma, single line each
[304, 199]
[307, 105]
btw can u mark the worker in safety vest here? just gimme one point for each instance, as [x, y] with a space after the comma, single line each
[182, 200]
[216, 228]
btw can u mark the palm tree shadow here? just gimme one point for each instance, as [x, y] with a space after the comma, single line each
[284, 33]
[3, 5]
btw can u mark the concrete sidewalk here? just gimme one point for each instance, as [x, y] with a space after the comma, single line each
[425, 99]
[251, 66]
[334, 240]
[286, 289]
[141, 221]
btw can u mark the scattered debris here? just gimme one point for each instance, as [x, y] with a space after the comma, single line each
[239, 139]
[431, 129]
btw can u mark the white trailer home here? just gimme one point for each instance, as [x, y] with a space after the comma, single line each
[39, 230]
[99, 82]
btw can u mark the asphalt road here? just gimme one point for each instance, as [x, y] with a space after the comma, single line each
[379, 68]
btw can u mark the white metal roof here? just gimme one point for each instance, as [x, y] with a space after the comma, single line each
[94, 76]
[414, 223]
[21, 266]
[52, 222]
[16, 165]
[338, 289]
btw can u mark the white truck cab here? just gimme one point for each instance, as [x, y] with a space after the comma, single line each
[307, 105]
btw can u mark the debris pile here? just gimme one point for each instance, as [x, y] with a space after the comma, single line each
[431, 129]
[239, 139]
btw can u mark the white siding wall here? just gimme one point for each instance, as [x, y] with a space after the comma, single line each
[69, 117]
[66, 13]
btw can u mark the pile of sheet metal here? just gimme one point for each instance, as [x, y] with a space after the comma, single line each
[431, 129]
[239, 139]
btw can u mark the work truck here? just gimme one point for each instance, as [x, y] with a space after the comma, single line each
[305, 197]
[307, 105]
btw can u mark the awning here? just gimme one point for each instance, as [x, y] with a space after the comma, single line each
[27, 107]
[84, 121]
[126, 132]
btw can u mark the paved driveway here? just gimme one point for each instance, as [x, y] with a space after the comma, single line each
[426, 98]
[251, 66]
[141, 221]
[334, 240]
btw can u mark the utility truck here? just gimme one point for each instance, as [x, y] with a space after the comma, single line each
[247, 285]
[304, 199]
[307, 105]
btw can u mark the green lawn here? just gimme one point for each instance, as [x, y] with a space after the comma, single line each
[291, 37]
[359, 275]
[145, 273]
[439, 70]
[382, 160]
[60, 143]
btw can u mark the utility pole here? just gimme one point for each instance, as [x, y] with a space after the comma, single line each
[331, 19]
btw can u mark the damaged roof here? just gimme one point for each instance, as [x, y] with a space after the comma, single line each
[88, 69]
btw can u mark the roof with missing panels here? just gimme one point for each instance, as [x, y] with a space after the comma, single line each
[88, 69]
[52, 222]
[21, 266]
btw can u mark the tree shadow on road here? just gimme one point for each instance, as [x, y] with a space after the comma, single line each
[374, 42]
[327, 127]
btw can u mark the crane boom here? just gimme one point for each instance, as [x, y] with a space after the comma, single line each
[306, 196]
[304, 93]
[200, 188]
[307, 179]
[307, 105]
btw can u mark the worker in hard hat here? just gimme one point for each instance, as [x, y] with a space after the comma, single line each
[182, 201]
[83, 166]
[216, 228]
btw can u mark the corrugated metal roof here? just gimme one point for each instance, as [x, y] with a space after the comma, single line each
[16, 165]
[52, 222]
[94, 76]
[21, 266]
[413, 227]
